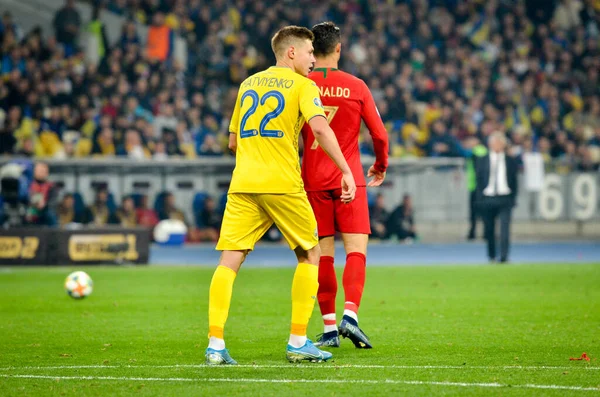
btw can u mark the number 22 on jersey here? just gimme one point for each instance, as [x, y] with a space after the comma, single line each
[330, 111]
[263, 131]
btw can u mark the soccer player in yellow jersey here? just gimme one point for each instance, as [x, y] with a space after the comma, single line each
[266, 186]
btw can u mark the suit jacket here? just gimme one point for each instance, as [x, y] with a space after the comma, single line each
[482, 176]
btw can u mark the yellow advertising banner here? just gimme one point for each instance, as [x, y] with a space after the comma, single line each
[103, 247]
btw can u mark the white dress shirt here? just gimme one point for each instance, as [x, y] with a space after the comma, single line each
[497, 184]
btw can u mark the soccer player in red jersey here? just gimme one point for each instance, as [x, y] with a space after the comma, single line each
[346, 100]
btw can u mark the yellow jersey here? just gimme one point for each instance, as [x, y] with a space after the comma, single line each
[269, 113]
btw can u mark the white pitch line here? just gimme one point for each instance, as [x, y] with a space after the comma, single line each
[336, 381]
[325, 366]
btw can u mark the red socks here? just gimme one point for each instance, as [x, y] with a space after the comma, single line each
[354, 280]
[327, 286]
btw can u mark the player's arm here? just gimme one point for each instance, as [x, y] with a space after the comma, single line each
[379, 135]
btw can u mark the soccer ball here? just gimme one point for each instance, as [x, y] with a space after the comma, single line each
[78, 285]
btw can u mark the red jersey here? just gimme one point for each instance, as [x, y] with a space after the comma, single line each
[346, 100]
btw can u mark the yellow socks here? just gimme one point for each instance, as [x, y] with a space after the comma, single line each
[219, 300]
[304, 294]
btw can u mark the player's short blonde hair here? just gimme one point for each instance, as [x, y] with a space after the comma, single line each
[289, 36]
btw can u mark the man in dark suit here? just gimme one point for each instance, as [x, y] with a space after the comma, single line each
[496, 191]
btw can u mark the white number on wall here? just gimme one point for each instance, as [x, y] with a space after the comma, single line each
[551, 203]
[585, 196]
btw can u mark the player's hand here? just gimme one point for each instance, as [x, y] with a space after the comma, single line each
[348, 188]
[378, 177]
[232, 143]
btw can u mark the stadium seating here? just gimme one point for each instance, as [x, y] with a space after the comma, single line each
[137, 199]
[222, 203]
[159, 202]
[79, 205]
[112, 205]
[198, 206]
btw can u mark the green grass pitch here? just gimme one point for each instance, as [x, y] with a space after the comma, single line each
[460, 330]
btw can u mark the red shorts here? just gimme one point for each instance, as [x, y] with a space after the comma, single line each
[334, 216]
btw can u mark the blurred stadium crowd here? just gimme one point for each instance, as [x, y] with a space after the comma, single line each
[444, 73]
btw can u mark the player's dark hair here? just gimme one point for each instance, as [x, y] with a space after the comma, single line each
[327, 36]
[285, 37]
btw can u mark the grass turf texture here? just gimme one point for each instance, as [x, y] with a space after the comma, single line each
[486, 330]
